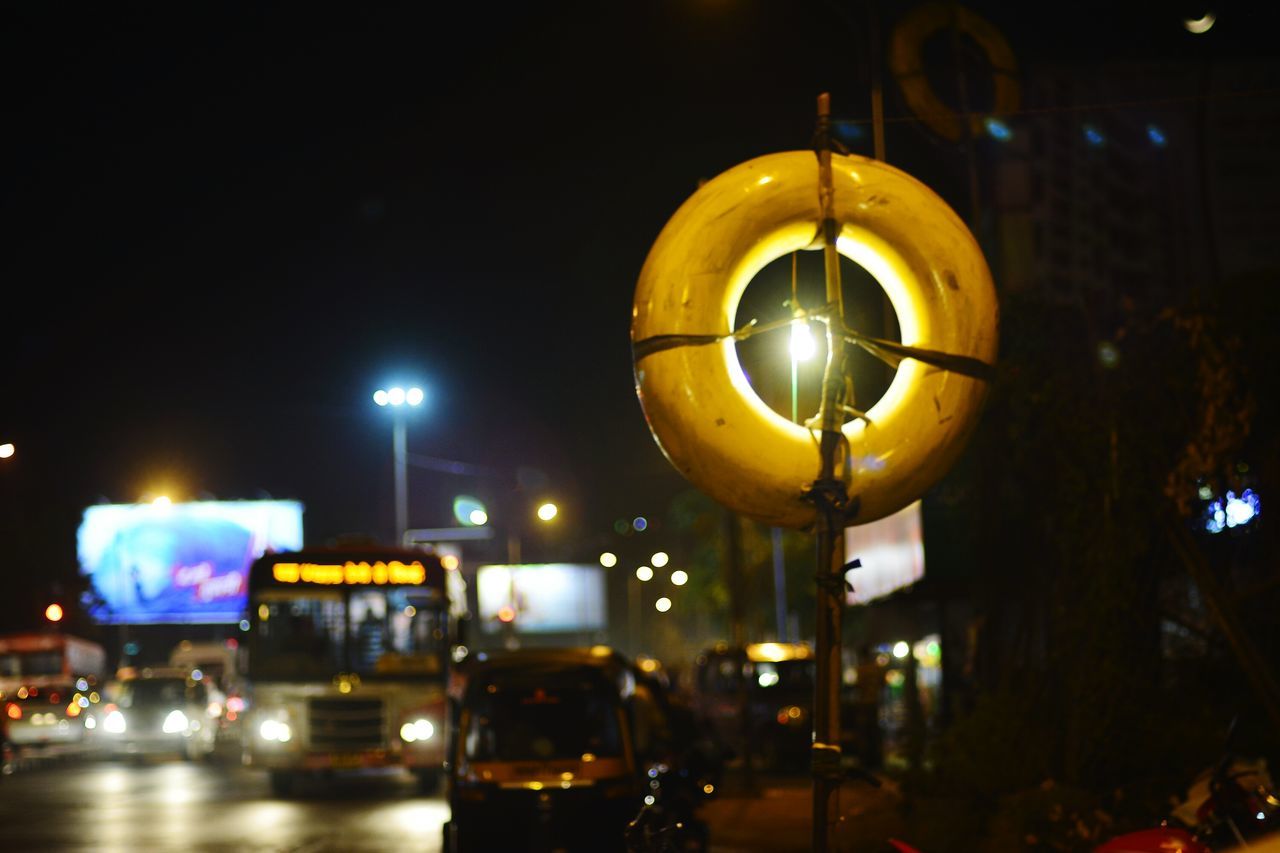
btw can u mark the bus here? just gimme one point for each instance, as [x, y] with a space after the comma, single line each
[47, 682]
[349, 653]
[48, 659]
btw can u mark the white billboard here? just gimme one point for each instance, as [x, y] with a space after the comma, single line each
[891, 551]
[541, 598]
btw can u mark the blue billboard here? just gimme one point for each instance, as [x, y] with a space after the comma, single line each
[179, 563]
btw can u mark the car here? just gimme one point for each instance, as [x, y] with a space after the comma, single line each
[46, 717]
[554, 749]
[157, 711]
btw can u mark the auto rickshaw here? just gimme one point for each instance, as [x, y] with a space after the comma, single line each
[554, 749]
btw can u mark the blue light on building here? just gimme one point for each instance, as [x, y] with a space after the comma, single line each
[997, 129]
[1232, 511]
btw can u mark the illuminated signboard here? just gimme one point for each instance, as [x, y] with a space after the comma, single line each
[180, 563]
[350, 573]
[542, 598]
[892, 554]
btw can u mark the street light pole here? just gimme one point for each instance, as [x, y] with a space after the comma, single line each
[397, 398]
[400, 455]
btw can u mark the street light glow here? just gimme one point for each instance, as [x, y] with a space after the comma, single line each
[53, 613]
[396, 396]
[1200, 25]
[414, 396]
[644, 573]
[803, 346]
[662, 605]
[6, 450]
[478, 517]
[380, 397]
[659, 559]
[608, 559]
[548, 511]
[162, 500]
[679, 577]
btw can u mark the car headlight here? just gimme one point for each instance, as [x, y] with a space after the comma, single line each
[416, 730]
[277, 731]
[175, 722]
[113, 723]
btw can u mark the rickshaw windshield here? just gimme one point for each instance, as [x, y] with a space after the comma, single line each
[543, 720]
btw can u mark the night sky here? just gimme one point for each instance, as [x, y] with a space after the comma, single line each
[226, 226]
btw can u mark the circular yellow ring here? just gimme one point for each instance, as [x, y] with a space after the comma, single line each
[698, 403]
[906, 62]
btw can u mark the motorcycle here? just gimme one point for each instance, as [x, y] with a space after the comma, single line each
[668, 821]
[1226, 806]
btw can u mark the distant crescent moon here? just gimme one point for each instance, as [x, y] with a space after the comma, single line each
[1200, 25]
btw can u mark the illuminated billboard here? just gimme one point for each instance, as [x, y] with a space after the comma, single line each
[541, 598]
[180, 563]
[892, 554]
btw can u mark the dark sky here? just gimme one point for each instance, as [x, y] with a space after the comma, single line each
[226, 225]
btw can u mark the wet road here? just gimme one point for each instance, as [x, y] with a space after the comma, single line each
[102, 805]
[84, 803]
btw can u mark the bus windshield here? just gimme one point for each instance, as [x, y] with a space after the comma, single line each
[16, 664]
[375, 631]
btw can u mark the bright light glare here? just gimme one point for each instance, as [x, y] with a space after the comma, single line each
[608, 559]
[6, 450]
[162, 500]
[275, 730]
[114, 723]
[396, 396]
[380, 397]
[768, 679]
[644, 573]
[478, 517]
[548, 511]
[901, 649]
[679, 577]
[53, 613]
[659, 559]
[417, 730]
[662, 605]
[414, 396]
[175, 722]
[803, 346]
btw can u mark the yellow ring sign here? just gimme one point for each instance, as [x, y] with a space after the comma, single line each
[352, 573]
[697, 400]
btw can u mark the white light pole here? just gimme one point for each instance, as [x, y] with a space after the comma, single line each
[397, 398]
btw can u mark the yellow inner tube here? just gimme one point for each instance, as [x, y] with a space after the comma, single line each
[906, 62]
[701, 409]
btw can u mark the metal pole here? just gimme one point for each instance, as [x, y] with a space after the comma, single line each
[877, 90]
[829, 494]
[779, 586]
[401, 460]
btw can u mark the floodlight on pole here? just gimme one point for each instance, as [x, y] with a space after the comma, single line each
[397, 397]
